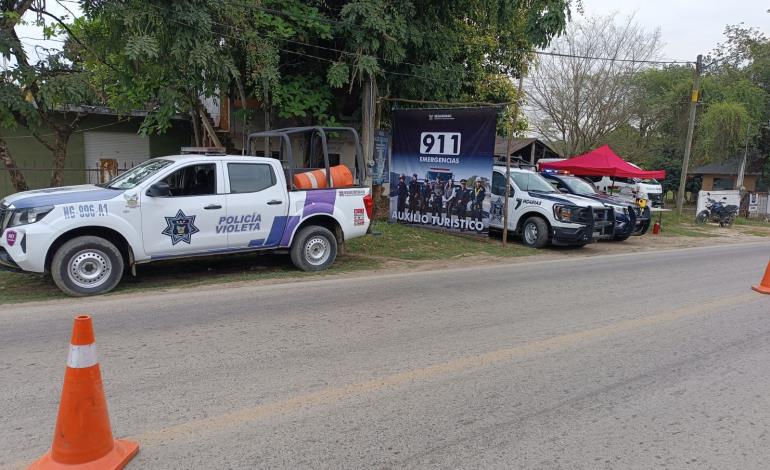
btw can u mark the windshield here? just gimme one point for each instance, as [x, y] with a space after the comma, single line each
[579, 186]
[137, 174]
[531, 182]
[646, 181]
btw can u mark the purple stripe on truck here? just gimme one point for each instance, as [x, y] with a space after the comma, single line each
[319, 202]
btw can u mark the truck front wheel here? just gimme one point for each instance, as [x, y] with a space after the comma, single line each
[87, 266]
[314, 249]
[534, 232]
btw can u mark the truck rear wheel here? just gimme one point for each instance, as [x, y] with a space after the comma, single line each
[314, 248]
[87, 266]
[534, 232]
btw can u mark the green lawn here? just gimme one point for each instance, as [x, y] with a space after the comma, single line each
[408, 243]
[18, 287]
[674, 225]
[397, 242]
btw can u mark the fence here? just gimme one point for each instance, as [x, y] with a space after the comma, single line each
[40, 177]
[757, 205]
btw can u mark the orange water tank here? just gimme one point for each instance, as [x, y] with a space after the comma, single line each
[341, 178]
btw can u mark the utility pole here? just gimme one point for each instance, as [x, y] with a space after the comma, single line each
[694, 97]
[508, 147]
[742, 168]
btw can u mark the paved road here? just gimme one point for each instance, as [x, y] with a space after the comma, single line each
[634, 361]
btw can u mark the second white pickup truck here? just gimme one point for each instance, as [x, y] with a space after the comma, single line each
[176, 207]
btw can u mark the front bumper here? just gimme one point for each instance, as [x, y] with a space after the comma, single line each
[624, 225]
[572, 236]
[7, 263]
[642, 222]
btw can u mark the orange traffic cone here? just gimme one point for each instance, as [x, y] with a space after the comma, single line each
[83, 437]
[764, 284]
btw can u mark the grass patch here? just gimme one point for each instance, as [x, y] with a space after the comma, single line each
[400, 241]
[744, 221]
[23, 287]
[675, 225]
[394, 242]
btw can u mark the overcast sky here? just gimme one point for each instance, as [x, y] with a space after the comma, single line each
[688, 27]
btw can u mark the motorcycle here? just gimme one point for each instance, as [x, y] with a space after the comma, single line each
[717, 211]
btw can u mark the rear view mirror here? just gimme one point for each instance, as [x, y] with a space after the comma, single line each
[159, 189]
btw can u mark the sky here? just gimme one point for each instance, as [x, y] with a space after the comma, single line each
[688, 27]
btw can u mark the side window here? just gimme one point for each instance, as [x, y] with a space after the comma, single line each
[250, 177]
[498, 184]
[193, 180]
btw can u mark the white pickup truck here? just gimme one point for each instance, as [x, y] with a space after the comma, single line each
[177, 207]
[542, 215]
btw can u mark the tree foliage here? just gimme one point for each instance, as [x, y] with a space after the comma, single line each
[307, 60]
[577, 99]
[44, 96]
[734, 103]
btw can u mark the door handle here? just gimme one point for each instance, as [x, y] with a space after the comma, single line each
[212, 206]
[274, 202]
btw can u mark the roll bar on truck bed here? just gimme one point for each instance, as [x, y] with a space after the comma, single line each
[285, 136]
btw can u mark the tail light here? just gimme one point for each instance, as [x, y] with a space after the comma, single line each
[369, 205]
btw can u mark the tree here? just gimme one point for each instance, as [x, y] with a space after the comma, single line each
[39, 96]
[577, 99]
[310, 61]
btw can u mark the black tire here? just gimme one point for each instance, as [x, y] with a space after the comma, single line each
[621, 238]
[534, 232]
[702, 217]
[314, 248]
[87, 266]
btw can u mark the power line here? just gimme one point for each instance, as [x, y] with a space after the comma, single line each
[611, 59]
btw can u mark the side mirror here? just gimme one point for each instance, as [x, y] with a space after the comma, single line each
[159, 189]
[563, 190]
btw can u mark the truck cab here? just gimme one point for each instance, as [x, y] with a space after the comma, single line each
[541, 215]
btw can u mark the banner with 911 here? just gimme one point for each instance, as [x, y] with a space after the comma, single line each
[441, 167]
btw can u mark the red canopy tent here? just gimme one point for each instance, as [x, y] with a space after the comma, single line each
[601, 162]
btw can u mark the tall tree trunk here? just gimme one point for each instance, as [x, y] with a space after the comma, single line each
[368, 108]
[59, 156]
[17, 177]
[195, 116]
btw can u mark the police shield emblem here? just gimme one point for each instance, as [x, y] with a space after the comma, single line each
[180, 228]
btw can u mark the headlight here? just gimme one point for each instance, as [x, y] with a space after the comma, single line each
[566, 213]
[28, 216]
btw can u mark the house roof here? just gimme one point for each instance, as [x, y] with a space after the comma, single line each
[501, 144]
[727, 167]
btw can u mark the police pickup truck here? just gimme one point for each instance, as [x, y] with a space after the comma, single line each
[542, 215]
[178, 207]
[630, 217]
